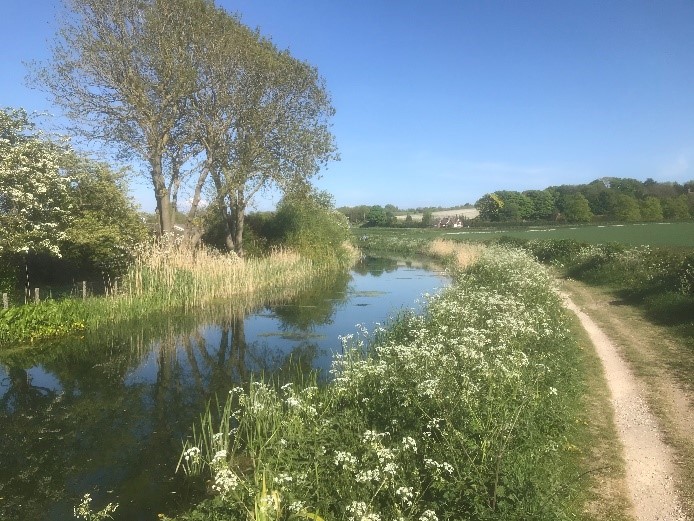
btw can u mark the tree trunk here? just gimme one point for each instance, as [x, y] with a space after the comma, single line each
[239, 213]
[193, 232]
[161, 195]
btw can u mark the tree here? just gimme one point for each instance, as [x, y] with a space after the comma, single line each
[123, 70]
[625, 208]
[489, 206]
[544, 207]
[516, 206]
[575, 208]
[307, 222]
[676, 208]
[34, 198]
[377, 216]
[651, 209]
[105, 227]
[263, 120]
[427, 216]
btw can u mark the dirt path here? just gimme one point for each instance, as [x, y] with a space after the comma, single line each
[650, 462]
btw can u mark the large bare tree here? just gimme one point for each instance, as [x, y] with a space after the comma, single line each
[180, 83]
[122, 70]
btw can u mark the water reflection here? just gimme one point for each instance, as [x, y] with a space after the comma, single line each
[106, 414]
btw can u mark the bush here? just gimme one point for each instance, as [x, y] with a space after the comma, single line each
[308, 224]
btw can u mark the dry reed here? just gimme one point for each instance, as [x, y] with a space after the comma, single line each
[465, 254]
[194, 277]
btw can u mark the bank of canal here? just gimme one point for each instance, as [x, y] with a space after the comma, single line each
[105, 415]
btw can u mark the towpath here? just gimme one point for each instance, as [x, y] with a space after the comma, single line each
[651, 464]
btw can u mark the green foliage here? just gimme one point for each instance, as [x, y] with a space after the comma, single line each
[625, 208]
[660, 280]
[106, 228]
[676, 208]
[516, 206]
[575, 208]
[544, 204]
[489, 206]
[47, 319]
[307, 223]
[651, 209]
[378, 216]
[466, 412]
[427, 217]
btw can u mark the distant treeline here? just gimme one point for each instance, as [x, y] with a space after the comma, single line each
[608, 198]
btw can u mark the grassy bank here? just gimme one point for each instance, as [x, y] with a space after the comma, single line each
[471, 411]
[165, 278]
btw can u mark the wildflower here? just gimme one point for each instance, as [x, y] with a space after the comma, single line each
[345, 460]
[192, 455]
[428, 515]
[296, 506]
[225, 481]
[219, 459]
[282, 479]
[406, 495]
[84, 510]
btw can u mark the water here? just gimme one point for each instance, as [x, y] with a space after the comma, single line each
[105, 415]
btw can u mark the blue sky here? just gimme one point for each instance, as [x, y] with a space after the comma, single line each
[439, 102]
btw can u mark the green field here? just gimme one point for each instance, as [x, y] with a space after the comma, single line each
[653, 234]
[679, 234]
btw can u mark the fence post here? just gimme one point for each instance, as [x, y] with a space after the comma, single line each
[84, 290]
[37, 299]
[5, 301]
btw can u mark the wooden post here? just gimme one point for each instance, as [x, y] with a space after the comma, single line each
[37, 299]
[84, 290]
[5, 301]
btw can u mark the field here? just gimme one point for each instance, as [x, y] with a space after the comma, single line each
[468, 213]
[679, 234]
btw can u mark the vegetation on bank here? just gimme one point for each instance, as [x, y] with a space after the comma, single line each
[659, 280]
[467, 411]
[170, 276]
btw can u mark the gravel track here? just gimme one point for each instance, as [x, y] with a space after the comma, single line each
[649, 461]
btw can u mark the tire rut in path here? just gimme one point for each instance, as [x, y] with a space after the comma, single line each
[649, 461]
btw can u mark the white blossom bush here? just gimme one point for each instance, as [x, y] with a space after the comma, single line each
[34, 196]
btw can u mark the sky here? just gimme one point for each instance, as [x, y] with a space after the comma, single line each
[441, 101]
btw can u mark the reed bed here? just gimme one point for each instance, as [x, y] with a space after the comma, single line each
[167, 277]
[195, 278]
[463, 254]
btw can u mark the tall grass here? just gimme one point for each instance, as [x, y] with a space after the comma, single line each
[166, 277]
[658, 280]
[465, 412]
[196, 277]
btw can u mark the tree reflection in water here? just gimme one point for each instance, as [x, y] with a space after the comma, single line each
[107, 414]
